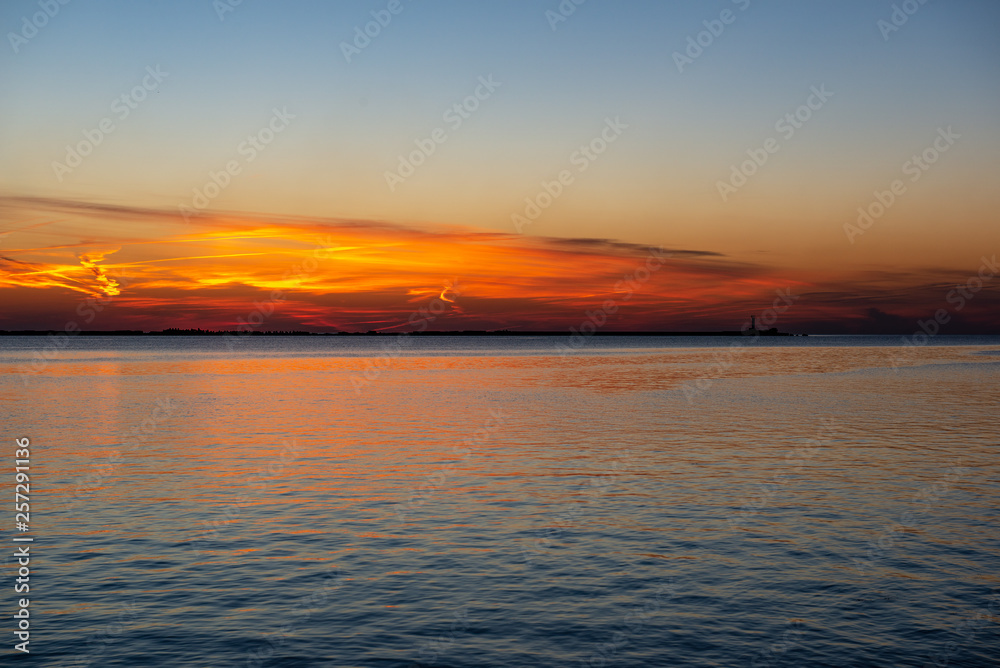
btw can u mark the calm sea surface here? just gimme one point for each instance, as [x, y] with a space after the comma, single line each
[349, 501]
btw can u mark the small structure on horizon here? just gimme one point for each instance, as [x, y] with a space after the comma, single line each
[753, 331]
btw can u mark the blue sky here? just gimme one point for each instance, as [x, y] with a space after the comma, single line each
[608, 59]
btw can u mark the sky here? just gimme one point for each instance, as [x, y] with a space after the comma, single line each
[512, 165]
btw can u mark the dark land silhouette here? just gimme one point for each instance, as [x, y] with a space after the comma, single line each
[502, 332]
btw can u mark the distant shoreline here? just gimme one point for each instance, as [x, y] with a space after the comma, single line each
[200, 332]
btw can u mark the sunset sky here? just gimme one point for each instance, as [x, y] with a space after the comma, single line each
[178, 162]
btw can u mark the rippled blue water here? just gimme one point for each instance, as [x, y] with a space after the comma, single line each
[334, 501]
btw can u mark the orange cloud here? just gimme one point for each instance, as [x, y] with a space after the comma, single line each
[359, 275]
[108, 286]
